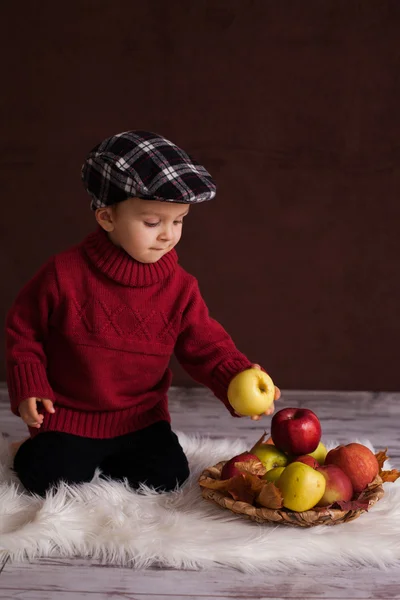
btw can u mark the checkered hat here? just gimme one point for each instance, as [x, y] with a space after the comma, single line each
[145, 165]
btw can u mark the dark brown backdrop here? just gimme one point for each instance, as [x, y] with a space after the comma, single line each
[294, 108]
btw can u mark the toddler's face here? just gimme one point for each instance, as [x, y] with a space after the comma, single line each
[145, 229]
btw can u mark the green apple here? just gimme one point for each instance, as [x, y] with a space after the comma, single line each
[273, 474]
[251, 392]
[270, 456]
[319, 453]
[302, 486]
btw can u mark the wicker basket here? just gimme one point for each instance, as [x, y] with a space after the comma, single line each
[309, 518]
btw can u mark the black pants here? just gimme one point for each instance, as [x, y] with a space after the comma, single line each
[152, 456]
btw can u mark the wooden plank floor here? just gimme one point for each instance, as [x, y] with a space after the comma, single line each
[344, 416]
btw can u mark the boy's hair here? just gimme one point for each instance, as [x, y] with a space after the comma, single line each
[144, 165]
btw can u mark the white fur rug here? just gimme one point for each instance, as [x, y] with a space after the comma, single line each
[107, 521]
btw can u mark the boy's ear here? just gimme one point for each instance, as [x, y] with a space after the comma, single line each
[104, 217]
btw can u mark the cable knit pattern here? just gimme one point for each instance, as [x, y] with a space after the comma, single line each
[94, 331]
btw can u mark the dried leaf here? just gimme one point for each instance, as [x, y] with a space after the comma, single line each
[353, 505]
[270, 496]
[245, 487]
[260, 441]
[216, 484]
[253, 466]
[390, 475]
[381, 457]
[386, 476]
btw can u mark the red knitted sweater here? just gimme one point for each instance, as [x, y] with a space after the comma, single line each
[94, 331]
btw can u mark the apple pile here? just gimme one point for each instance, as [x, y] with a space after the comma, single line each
[294, 470]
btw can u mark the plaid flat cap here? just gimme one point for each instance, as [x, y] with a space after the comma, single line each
[144, 165]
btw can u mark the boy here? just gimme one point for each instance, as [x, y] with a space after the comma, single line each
[89, 338]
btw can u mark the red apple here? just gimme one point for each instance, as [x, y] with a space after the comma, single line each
[307, 460]
[357, 461]
[338, 486]
[229, 470]
[296, 430]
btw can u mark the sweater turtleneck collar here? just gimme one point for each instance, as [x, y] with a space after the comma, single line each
[122, 268]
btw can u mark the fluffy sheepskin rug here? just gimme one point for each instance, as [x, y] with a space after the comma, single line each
[109, 522]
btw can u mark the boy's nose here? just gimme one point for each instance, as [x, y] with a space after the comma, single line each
[166, 233]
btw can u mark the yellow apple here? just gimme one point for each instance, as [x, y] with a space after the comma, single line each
[251, 392]
[319, 453]
[273, 474]
[302, 486]
[270, 456]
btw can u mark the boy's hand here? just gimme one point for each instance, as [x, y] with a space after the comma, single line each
[29, 413]
[272, 407]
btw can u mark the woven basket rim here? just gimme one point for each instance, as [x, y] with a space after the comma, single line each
[309, 518]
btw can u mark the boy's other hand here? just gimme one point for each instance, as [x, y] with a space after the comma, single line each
[272, 407]
[29, 413]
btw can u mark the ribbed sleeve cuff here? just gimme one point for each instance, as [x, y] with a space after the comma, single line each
[222, 376]
[26, 381]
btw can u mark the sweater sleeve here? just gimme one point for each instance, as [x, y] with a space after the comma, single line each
[27, 325]
[206, 351]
